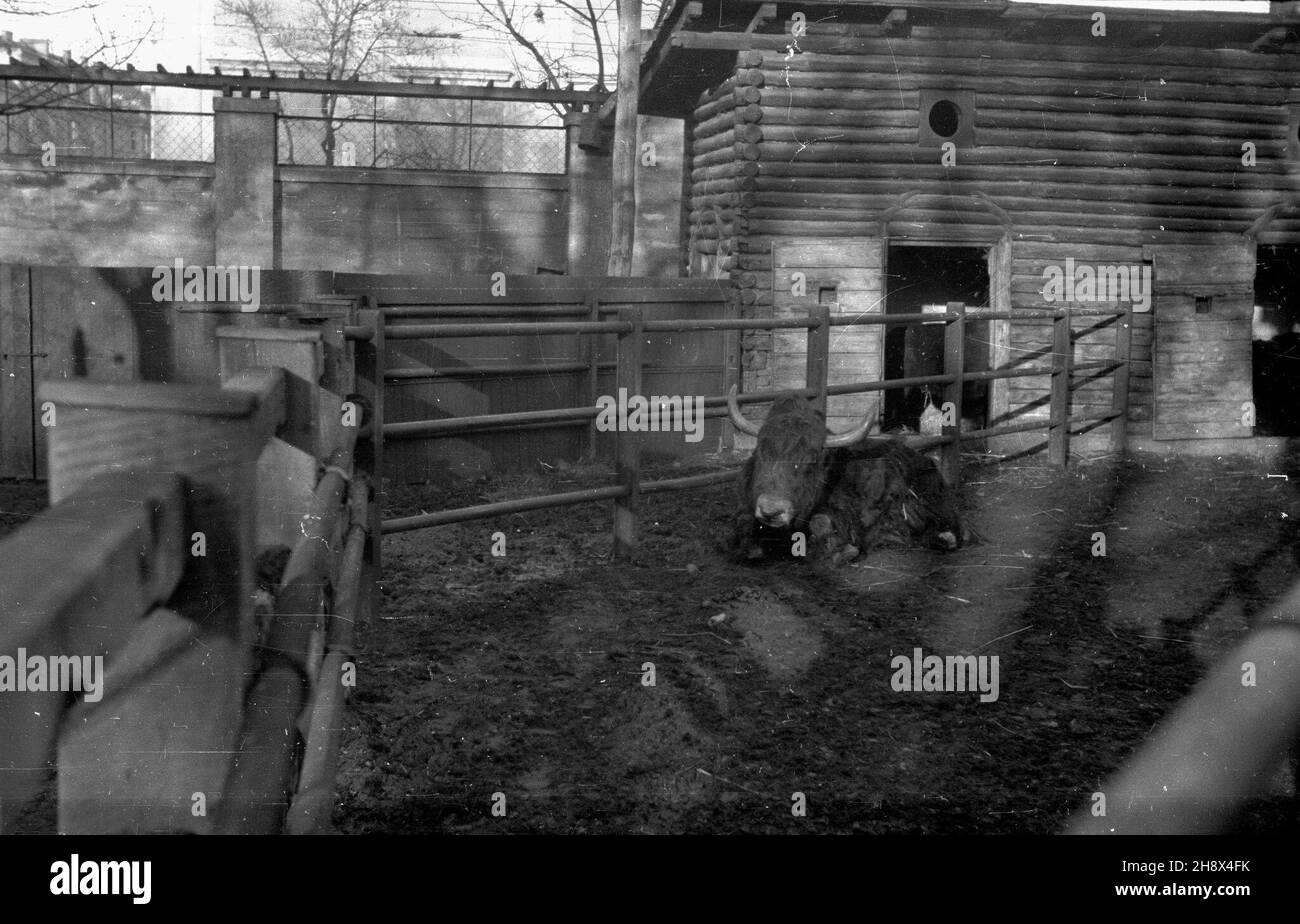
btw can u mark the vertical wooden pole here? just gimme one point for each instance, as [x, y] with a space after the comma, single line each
[625, 151]
[628, 454]
[954, 364]
[1119, 399]
[819, 351]
[1058, 444]
[592, 381]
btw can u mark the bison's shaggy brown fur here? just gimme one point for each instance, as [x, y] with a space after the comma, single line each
[844, 500]
[884, 491]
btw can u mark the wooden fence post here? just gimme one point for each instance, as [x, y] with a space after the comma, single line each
[954, 364]
[819, 351]
[732, 373]
[1058, 445]
[370, 457]
[592, 378]
[286, 469]
[1119, 398]
[628, 454]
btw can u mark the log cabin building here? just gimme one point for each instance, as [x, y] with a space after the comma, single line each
[906, 154]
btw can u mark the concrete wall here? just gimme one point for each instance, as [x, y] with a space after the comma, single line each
[403, 221]
[120, 213]
[244, 209]
[90, 212]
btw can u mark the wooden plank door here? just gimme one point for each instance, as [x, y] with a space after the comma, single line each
[1204, 300]
[847, 272]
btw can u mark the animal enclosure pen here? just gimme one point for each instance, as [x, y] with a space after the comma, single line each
[631, 329]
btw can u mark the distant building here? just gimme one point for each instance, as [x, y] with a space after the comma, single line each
[82, 120]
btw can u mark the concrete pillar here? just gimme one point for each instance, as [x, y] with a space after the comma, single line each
[657, 250]
[244, 227]
[243, 186]
[589, 202]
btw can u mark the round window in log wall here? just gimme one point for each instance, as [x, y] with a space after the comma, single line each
[945, 118]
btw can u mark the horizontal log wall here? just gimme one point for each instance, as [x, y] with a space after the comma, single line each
[1090, 152]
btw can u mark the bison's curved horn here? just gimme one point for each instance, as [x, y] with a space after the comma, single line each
[851, 436]
[741, 424]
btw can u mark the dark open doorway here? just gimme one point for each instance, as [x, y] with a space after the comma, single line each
[1275, 341]
[924, 279]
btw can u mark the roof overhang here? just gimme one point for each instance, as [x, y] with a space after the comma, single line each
[696, 42]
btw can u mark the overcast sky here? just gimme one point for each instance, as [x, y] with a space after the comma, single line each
[177, 33]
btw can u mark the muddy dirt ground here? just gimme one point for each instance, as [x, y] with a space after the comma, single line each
[523, 674]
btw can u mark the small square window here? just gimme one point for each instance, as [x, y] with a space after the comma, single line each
[1204, 304]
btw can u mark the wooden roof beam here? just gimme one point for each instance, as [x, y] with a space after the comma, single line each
[896, 24]
[657, 56]
[230, 82]
[765, 14]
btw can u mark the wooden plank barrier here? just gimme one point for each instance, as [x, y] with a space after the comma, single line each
[162, 495]
[112, 546]
[156, 749]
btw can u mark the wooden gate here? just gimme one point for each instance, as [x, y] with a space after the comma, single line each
[1204, 298]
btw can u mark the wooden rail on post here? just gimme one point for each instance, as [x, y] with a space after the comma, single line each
[954, 364]
[819, 351]
[1119, 398]
[628, 453]
[1058, 442]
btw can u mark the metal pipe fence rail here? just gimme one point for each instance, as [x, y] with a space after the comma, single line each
[446, 308]
[214, 713]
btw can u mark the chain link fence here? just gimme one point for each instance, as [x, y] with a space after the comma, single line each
[489, 136]
[98, 121]
[404, 133]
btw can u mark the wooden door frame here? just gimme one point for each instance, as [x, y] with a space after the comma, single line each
[997, 252]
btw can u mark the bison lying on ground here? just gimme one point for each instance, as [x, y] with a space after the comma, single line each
[845, 493]
[883, 491]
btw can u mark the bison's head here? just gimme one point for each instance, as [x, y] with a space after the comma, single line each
[787, 473]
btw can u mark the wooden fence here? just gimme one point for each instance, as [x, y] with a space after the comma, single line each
[632, 328]
[452, 386]
[214, 714]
